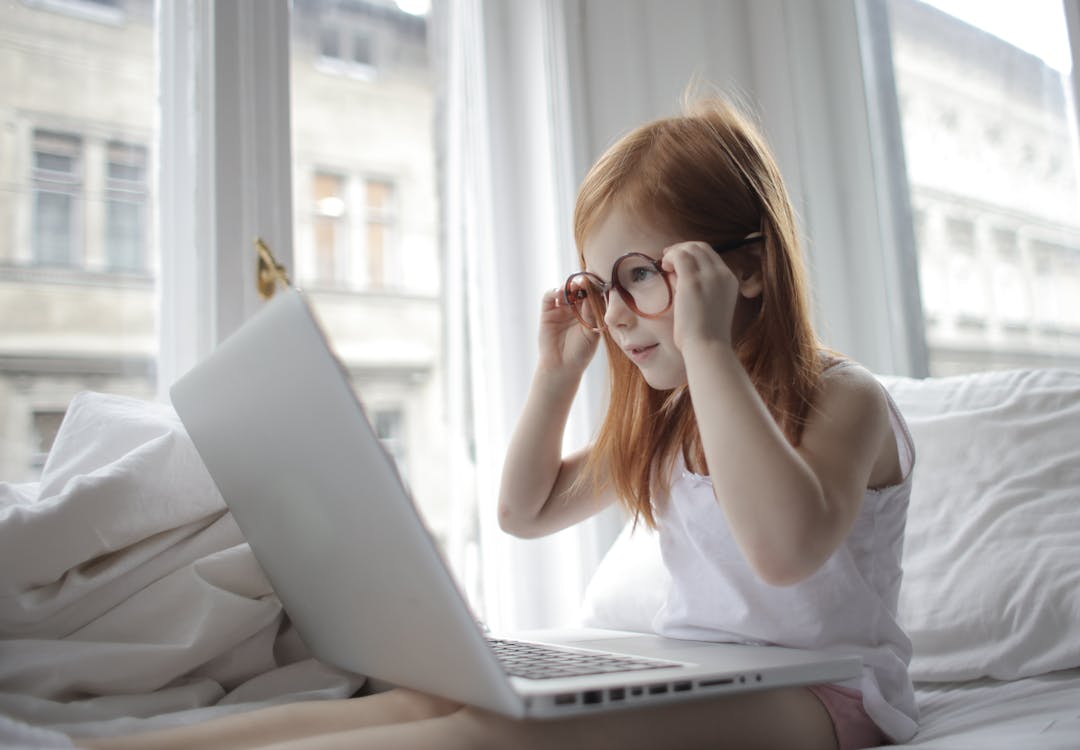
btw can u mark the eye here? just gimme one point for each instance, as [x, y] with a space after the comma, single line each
[638, 274]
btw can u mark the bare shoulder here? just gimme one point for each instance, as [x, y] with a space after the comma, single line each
[850, 387]
[850, 410]
[852, 413]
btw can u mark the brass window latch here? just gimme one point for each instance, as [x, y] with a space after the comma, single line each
[269, 272]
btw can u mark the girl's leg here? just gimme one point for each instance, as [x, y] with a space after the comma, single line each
[286, 722]
[788, 719]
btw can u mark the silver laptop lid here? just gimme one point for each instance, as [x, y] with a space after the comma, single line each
[284, 436]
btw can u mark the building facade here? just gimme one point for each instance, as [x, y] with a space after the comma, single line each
[991, 147]
[78, 252]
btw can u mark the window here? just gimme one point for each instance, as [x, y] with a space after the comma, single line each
[45, 423]
[367, 260]
[77, 301]
[362, 50]
[350, 36]
[366, 238]
[989, 132]
[330, 225]
[389, 425]
[379, 220]
[57, 180]
[343, 48]
[1010, 283]
[126, 197]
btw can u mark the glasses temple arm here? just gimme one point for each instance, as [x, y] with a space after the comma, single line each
[747, 240]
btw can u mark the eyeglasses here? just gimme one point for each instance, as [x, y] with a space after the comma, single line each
[641, 282]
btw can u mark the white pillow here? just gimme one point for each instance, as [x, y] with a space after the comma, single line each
[630, 584]
[992, 552]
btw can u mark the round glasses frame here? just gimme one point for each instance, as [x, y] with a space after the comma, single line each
[605, 287]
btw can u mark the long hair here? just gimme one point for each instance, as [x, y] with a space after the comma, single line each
[706, 175]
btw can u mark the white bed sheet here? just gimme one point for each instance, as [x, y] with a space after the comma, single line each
[1038, 712]
[128, 598]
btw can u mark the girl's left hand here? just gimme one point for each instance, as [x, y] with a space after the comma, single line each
[705, 291]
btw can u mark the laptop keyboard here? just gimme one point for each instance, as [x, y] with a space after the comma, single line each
[539, 662]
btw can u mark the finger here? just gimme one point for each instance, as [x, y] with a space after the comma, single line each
[552, 298]
[685, 256]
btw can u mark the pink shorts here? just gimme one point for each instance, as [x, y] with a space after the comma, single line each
[854, 729]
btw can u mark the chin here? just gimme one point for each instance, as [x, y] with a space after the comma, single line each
[664, 381]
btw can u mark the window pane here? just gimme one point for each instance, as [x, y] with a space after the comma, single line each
[54, 229]
[329, 265]
[125, 232]
[77, 304]
[366, 245]
[988, 122]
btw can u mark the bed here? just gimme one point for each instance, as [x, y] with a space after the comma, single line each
[125, 523]
[991, 591]
[128, 597]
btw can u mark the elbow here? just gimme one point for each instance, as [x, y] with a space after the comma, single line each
[783, 575]
[785, 564]
[514, 524]
[792, 549]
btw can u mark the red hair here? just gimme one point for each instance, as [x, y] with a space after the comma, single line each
[707, 175]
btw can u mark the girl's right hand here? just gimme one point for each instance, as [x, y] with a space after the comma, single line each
[565, 344]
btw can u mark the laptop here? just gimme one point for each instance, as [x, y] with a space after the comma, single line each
[275, 419]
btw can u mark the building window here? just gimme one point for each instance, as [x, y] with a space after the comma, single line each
[347, 49]
[363, 52]
[340, 258]
[1057, 276]
[331, 230]
[966, 278]
[45, 424]
[1011, 299]
[379, 221]
[389, 426]
[330, 43]
[126, 200]
[57, 199]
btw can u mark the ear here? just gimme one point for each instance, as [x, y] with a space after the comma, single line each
[751, 280]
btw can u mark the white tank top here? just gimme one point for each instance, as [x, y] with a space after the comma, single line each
[848, 605]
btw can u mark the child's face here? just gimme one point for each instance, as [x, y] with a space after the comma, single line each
[648, 342]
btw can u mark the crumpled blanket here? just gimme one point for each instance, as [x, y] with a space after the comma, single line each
[128, 597]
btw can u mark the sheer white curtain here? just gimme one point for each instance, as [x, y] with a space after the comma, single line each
[537, 90]
[508, 181]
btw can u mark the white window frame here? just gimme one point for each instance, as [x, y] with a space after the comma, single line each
[225, 174]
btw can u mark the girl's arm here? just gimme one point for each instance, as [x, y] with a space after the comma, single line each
[539, 493]
[789, 508]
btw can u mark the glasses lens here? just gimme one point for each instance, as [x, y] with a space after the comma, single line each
[639, 276]
[587, 298]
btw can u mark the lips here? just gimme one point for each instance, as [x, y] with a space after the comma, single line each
[640, 353]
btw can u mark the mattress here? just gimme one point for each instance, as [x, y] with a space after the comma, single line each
[1038, 712]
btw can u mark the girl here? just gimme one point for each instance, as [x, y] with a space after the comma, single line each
[776, 474]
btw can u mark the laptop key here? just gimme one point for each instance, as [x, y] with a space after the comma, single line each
[540, 662]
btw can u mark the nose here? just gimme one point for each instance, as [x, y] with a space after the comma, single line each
[618, 313]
